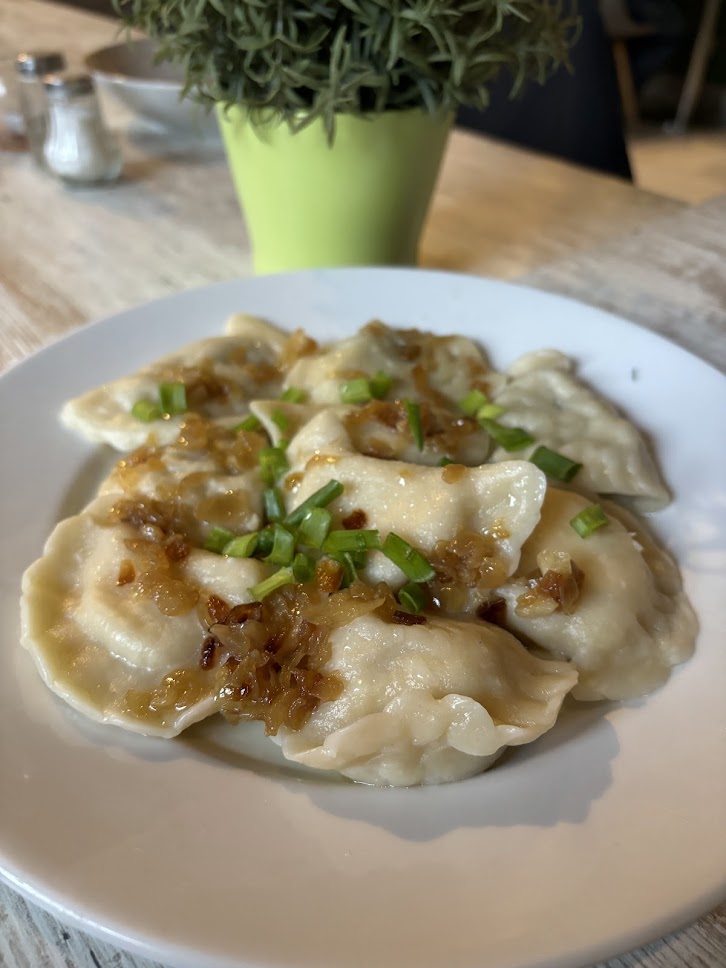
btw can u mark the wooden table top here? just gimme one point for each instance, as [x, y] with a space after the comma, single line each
[67, 256]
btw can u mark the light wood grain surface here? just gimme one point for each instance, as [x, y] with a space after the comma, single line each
[67, 256]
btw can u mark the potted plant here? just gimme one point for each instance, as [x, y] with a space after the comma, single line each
[335, 113]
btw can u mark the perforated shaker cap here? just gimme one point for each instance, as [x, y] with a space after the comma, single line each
[36, 63]
[63, 86]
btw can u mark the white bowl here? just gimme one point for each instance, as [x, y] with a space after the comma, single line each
[128, 72]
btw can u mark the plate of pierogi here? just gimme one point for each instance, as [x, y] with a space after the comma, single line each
[364, 617]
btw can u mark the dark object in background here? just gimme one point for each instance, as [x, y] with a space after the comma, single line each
[576, 115]
[95, 6]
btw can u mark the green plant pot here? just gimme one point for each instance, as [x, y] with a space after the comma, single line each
[362, 201]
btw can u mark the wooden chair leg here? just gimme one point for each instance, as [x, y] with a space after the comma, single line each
[693, 84]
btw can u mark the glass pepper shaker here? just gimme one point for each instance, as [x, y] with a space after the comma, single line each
[30, 67]
[79, 148]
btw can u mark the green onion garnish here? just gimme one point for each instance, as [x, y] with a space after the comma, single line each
[358, 558]
[318, 499]
[294, 395]
[273, 463]
[242, 547]
[314, 527]
[283, 546]
[380, 385]
[589, 520]
[272, 500]
[414, 421]
[412, 597]
[249, 423]
[555, 465]
[355, 391]
[510, 438]
[264, 588]
[339, 542]
[411, 562]
[472, 402]
[173, 397]
[445, 460]
[218, 539]
[146, 411]
[303, 567]
[264, 541]
[350, 573]
[280, 420]
[490, 411]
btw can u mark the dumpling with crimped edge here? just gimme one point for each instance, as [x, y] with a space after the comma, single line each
[114, 623]
[381, 429]
[632, 621]
[422, 366]
[210, 474]
[221, 375]
[542, 396]
[427, 703]
[426, 506]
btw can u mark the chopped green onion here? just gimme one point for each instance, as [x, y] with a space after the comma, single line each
[510, 438]
[414, 421]
[339, 542]
[555, 465]
[218, 539]
[358, 558]
[273, 463]
[350, 573]
[283, 546]
[249, 423]
[272, 500]
[318, 499]
[490, 411]
[411, 562]
[242, 547]
[264, 588]
[355, 391]
[445, 460]
[264, 541]
[380, 385]
[303, 567]
[412, 597]
[146, 411]
[589, 520]
[173, 397]
[314, 527]
[283, 443]
[280, 420]
[472, 402]
[294, 395]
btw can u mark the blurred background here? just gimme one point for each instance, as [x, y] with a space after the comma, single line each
[646, 99]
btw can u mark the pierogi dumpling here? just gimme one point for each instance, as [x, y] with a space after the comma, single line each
[424, 505]
[436, 369]
[543, 397]
[427, 703]
[107, 613]
[632, 621]
[380, 429]
[210, 473]
[221, 375]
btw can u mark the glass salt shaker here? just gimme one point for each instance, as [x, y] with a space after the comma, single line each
[79, 148]
[30, 67]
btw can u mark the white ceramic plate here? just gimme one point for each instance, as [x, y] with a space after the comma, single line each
[604, 834]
